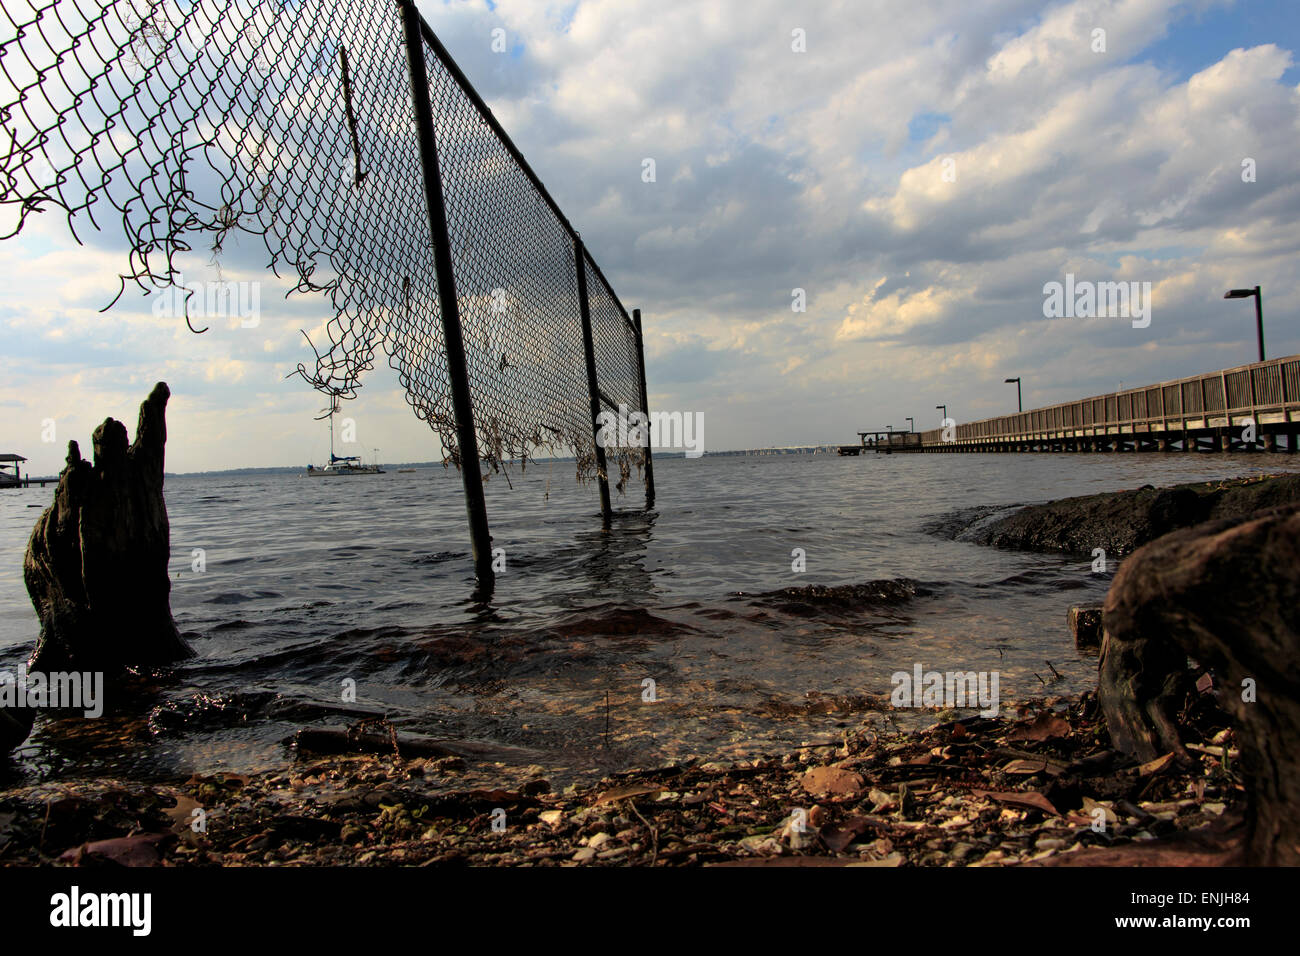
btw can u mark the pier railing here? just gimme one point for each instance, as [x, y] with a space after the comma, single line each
[1265, 393]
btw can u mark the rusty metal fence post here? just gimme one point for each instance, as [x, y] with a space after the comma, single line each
[593, 386]
[457, 374]
[645, 407]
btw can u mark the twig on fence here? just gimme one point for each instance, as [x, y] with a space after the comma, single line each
[358, 176]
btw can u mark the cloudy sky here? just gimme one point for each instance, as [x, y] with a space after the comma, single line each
[921, 168]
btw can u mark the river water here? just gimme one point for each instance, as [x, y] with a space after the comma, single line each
[309, 585]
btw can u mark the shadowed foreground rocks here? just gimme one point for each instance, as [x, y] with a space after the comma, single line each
[15, 725]
[96, 564]
[1227, 593]
[1122, 521]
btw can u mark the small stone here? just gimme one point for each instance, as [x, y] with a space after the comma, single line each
[585, 855]
[906, 802]
[760, 843]
[883, 801]
[798, 836]
[598, 840]
[551, 817]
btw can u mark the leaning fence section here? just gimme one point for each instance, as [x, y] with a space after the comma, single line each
[181, 123]
[516, 284]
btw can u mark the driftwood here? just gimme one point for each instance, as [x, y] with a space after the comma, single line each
[1227, 593]
[319, 742]
[96, 564]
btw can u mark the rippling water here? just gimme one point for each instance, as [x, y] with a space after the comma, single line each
[309, 582]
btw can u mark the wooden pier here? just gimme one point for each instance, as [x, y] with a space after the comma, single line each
[11, 475]
[1209, 412]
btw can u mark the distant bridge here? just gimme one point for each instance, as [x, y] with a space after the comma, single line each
[1213, 411]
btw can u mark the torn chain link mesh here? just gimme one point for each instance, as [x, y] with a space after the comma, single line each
[291, 120]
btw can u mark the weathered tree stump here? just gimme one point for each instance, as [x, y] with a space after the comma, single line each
[1227, 593]
[96, 564]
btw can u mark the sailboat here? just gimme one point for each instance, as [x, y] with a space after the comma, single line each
[342, 464]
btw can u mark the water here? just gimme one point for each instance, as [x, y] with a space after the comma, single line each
[311, 582]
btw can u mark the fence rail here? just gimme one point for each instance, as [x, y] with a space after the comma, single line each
[344, 136]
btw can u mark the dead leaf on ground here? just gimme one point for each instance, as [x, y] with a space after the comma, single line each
[1043, 727]
[1156, 766]
[832, 781]
[839, 836]
[182, 815]
[1026, 800]
[1030, 767]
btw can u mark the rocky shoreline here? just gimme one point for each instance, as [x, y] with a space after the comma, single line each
[1120, 522]
[1042, 789]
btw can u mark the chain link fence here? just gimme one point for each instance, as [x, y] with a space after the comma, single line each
[182, 122]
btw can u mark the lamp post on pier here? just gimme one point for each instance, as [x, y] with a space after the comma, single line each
[1020, 405]
[1259, 311]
